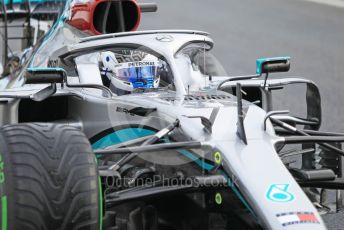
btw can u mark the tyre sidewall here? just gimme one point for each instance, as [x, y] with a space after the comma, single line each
[7, 185]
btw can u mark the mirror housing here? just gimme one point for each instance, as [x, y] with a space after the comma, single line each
[272, 65]
[45, 75]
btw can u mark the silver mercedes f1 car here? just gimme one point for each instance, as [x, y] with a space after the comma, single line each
[103, 127]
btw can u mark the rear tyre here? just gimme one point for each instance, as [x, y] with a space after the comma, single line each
[48, 178]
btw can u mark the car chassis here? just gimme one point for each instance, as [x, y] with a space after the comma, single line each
[226, 137]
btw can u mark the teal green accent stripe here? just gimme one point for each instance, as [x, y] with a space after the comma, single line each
[242, 199]
[197, 160]
[31, 1]
[260, 62]
[3, 213]
[45, 69]
[209, 167]
[237, 193]
[120, 136]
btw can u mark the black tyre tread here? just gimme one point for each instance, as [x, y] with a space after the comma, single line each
[30, 225]
[55, 179]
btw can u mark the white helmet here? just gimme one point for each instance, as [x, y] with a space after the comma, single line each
[127, 76]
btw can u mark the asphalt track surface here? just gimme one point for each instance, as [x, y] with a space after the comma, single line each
[311, 34]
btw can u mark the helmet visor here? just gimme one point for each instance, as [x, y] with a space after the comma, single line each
[139, 74]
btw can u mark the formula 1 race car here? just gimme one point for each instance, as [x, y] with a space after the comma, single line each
[103, 127]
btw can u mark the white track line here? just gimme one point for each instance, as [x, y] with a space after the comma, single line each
[336, 3]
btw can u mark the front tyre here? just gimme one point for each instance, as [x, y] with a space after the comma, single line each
[48, 178]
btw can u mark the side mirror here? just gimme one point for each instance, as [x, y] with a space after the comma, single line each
[272, 65]
[1, 69]
[45, 75]
[148, 7]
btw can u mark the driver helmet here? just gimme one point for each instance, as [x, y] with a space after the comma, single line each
[125, 75]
